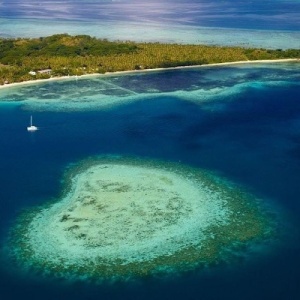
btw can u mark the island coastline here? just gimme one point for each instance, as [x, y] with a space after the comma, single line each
[59, 78]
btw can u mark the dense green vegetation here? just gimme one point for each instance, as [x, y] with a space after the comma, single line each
[82, 54]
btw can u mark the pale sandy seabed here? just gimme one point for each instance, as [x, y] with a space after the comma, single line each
[122, 218]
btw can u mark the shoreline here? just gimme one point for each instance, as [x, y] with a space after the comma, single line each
[28, 82]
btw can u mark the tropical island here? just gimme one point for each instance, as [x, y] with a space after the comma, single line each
[25, 59]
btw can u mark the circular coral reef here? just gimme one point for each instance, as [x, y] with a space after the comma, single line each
[122, 218]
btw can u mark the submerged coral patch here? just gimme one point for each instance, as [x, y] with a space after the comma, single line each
[206, 85]
[121, 218]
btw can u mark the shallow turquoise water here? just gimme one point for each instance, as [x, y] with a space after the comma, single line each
[268, 24]
[242, 122]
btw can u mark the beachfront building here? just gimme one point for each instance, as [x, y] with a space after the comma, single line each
[45, 71]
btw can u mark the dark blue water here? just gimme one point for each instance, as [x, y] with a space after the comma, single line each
[266, 15]
[252, 138]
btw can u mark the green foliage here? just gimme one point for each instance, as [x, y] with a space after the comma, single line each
[62, 45]
[82, 54]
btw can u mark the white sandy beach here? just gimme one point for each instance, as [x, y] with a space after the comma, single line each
[9, 85]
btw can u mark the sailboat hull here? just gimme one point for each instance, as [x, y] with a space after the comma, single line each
[32, 128]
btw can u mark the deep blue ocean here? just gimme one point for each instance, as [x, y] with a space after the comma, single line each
[268, 24]
[241, 122]
[268, 14]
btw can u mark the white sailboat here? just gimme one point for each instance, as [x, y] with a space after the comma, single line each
[31, 127]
